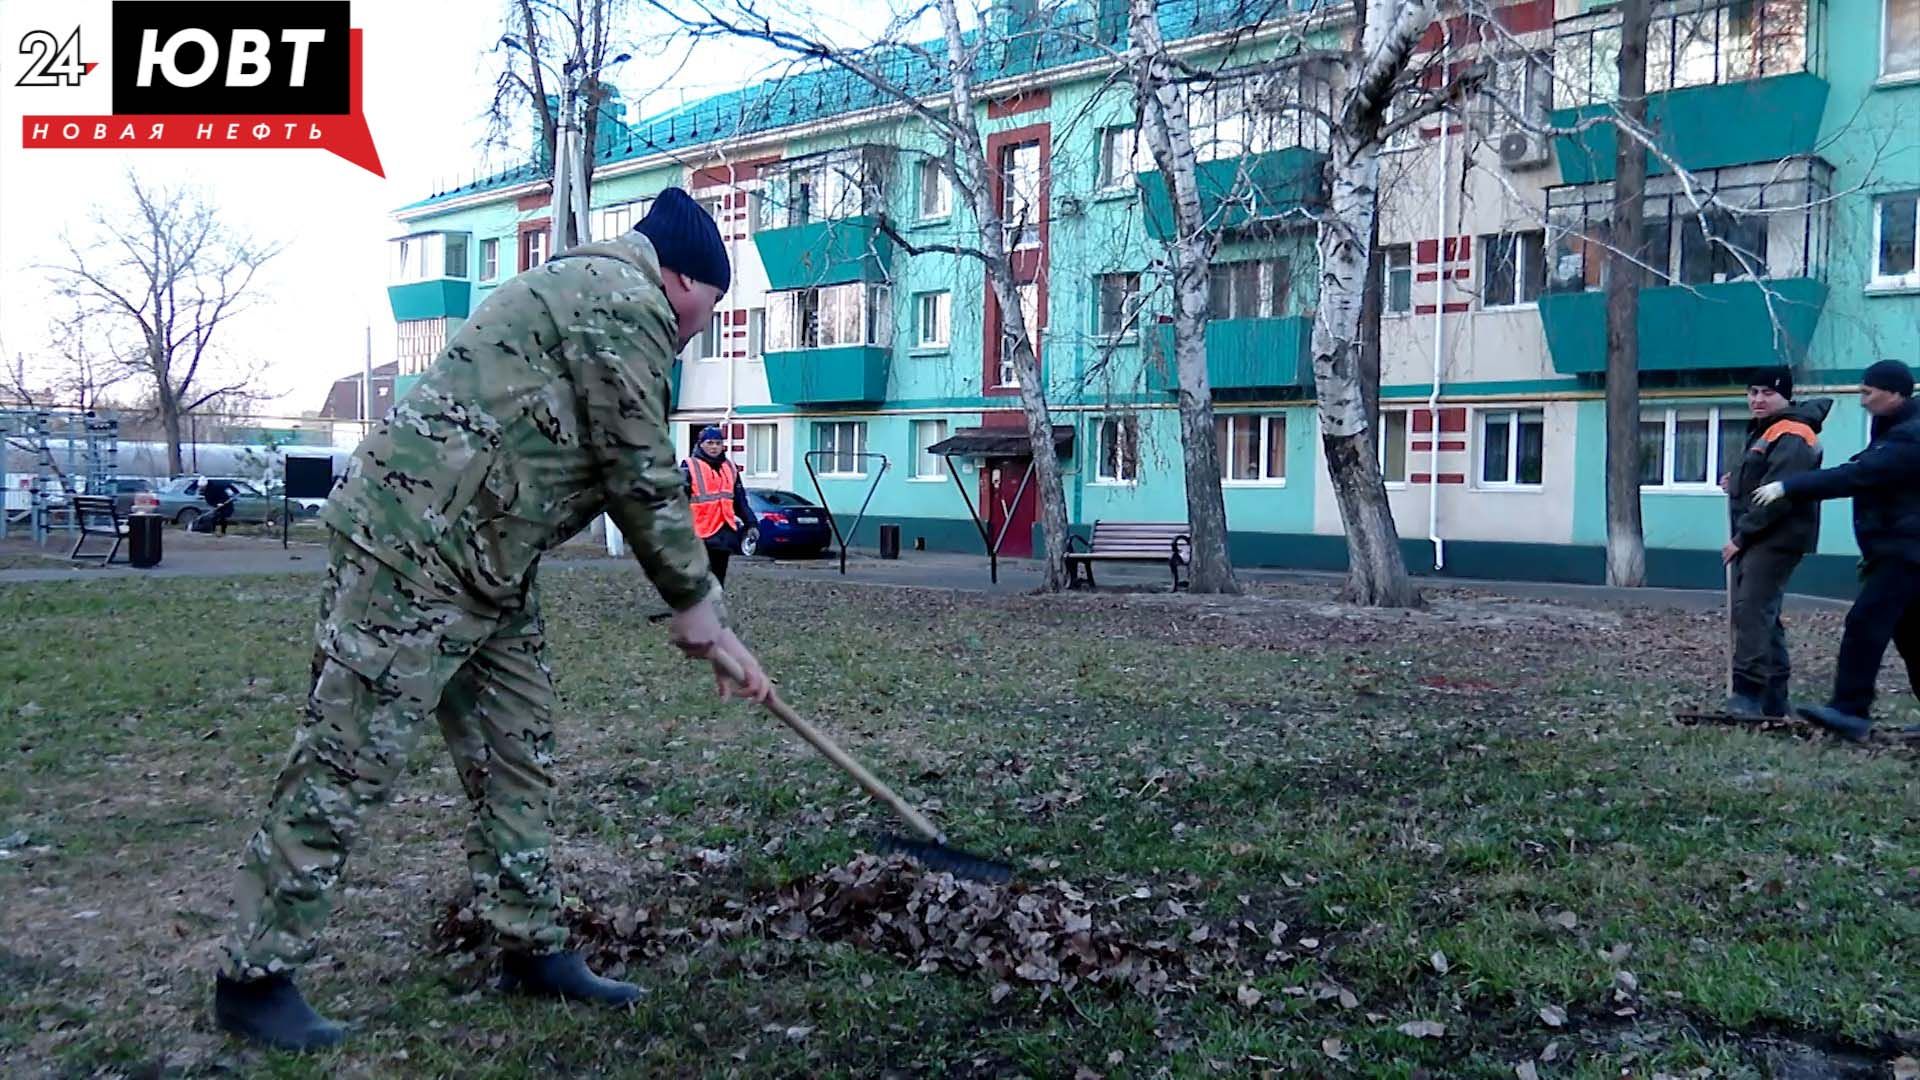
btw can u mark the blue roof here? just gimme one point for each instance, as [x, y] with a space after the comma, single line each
[816, 93]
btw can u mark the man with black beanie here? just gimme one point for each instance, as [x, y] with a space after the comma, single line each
[1768, 542]
[1884, 482]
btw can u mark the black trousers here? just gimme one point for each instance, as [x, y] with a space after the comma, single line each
[1886, 612]
[1761, 667]
[717, 559]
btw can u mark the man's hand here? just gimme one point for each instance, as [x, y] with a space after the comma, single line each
[1726, 483]
[700, 634]
[1768, 494]
[1730, 552]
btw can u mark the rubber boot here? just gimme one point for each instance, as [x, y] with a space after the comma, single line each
[1851, 728]
[562, 975]
[270, 1011]
[1745, 707]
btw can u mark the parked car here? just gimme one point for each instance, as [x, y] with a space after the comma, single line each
[179, 501]
[788, 525]
[126, 488]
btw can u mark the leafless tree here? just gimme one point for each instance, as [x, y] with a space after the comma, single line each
[152, 288]
[1626, 538]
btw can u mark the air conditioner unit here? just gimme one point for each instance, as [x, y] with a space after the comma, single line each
[1522, 150]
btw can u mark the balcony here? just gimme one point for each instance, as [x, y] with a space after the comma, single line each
[1729, 83]
[1726, 291]
[429, 276]
[444, 298]
[1242, 354]
[825, 253]
[836, 375]
[1239, 193]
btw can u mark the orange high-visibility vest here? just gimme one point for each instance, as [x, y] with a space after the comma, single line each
[712, 496]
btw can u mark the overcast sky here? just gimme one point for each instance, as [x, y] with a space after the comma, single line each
[429, 76]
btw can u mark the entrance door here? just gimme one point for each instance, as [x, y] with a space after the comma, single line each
[1000, 481]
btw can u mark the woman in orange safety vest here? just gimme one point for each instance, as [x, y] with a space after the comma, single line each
[720, 511]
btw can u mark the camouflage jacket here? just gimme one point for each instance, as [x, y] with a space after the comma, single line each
[547, 407]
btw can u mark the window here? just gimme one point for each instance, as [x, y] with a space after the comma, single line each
[533, 248]
[1255, 289]
[1513, 268]
[715, 206]
[936, 195]
[1406, 138]
[1029, 314]
[1900, 39]
[1020, 207]
[927, 466]
[763, 449]
[841, 443]
[1119, 303]
[1117, 446]
[456, 262]
[851, 314]
[933, 313]
[1720, 246]
[1396, 263]
[756, 333]
[1512, 446]
[1896, 235]
[1690, 448]
[418, 342]
[1518, 92]
[1252, 447]
[756, 211]
[710, 337]
[1123, 154]
[489, 260]
[1393, 445]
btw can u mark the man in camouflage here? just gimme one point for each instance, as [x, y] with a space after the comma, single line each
[547, 408]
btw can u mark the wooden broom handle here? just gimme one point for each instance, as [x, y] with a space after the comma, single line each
[832, 752]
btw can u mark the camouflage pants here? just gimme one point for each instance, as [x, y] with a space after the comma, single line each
[390, 656]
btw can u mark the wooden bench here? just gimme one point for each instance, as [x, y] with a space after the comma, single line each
[98, 516]
[1166, 542]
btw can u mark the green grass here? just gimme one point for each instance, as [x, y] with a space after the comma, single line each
[1542, 824]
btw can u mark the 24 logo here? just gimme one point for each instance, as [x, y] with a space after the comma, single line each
[54, 63]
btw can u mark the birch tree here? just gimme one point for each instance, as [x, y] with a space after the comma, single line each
[1626, 538]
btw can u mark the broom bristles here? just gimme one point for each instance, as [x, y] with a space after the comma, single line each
[952, 860]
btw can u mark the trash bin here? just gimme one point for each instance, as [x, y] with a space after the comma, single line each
[143, 539]
[889, 541]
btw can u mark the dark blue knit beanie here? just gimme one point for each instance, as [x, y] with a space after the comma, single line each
[686, 239]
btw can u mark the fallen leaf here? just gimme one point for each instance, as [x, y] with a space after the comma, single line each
[1347, 1000]
[1334, 1048]
[1553, 1016]
[1626, 981]
[1906, 1068]
[1439, 961]
[1526, 1071]
[1566, 920]
[1248, 996]
[1423, 1029]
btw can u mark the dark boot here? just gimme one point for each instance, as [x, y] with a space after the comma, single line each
[562, 975]
[271, 1012]
[1775, 704]
[1852, 728]
[1745, 707]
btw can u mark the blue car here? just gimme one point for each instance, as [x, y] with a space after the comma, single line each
[789, 525]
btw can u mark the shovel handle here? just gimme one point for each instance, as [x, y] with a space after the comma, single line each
[831, 751]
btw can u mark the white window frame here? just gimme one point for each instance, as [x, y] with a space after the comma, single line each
[756, 334]
[490, 259]
[858, 428]
[1126, 467]
[942, 337]
[1880, 61]
[1274, 272]
[1520, 301]
[1480, 418]
[930, 170]
[1263, 422]
[1009, 374]
[786, 313]
[1406, 442]
[1021, 237]
[712, 339]
[1139, 158]
[759, 435]
[1387, 270]
[916, 452]
[1910, 279]
[1129, 328]
[536, 246]
[1717, 419]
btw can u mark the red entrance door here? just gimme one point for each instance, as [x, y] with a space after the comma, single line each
[999, 483]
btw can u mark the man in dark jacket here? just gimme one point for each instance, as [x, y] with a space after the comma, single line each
[1768, 542]
[219, 495]
[1884, 482]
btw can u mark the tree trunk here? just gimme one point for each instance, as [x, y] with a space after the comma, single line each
[1376, 572]
[170, 421]
[1626, 541]
[1163, 114]
[971, 168]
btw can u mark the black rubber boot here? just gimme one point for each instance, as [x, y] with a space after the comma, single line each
[270, 1011]
[1851, 728]
[562, 975]
[1745, 707]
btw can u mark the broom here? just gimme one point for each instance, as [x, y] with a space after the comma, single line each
[933, 850]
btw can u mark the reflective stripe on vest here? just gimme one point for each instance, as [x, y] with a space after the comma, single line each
[1790, 427]
[712, 497]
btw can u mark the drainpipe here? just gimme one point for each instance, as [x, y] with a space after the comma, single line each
[1439, 339]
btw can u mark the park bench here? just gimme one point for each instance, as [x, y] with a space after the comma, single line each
[1165, 542]
[98, 516]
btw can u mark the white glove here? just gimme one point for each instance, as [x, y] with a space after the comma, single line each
[1767, 494]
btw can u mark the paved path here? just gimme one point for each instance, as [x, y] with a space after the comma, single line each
[189, 555]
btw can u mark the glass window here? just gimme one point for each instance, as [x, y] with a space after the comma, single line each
[1030, 314]
[1690, 447]
[456, 262]
[1512, 448]
[1252, 447]
[1393, 445]
[925, 434]
[1396, 262]
[756, 333]
[1123, 155]
[1896, 236]
[1119, 300]
[932, 320]
[763, 449]
[936, 195]
[1020, 207]
[1118, 448]
[1900, 39]
[841, 443]
[1513, 268]
[489, 260]
[710, 337]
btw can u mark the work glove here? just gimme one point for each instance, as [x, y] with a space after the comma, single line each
[1767, 494]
